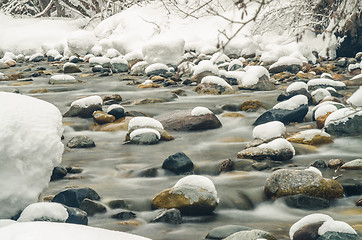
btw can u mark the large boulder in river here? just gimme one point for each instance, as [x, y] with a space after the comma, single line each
[292, 110]
[345, 121]
[256, 78]
[193, 195]
[85, 107]
[309, 182]
[199, 118]
[73, 197]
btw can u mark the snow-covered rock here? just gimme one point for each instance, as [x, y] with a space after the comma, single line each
[104, 61]
[62, 79]
[204, 68]
[286, 63]
[143, 122]
[84, 107]
[256, 78]
[323, 82]
[320, 94]
[81, 42]
[192, 194]
[356, 98]
[139, 68]
[44, 211]
[311, 137]
[199, 111]
[324, 109]
[156, 69]
[141, 131]
[165, 49]
[295, 86]
[214, 85]
[42, 231]
[30, 148]
[344, 121]
[219, 57]
[292, 103]
[119, 64]
[270, 130]
[112, 53]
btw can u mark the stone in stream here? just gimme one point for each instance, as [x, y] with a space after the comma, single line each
[185, 120]
[116, 110]
[37, 57]
[145, 138]
[306, 202]
[214, 85]
[156, 69]
[202, 69]
[62, 79]
[76, 216]
[225, 231]
[251, 105]
[178, 163]
[71, 68]
[81, 142]
[85, 107]
[172, 216]
[319, 164]
[288, 95]
[119, 64]
[102, 117]
[112, 99]
[285, 182]
[256, 78]
[311, 137]
[355, 164]
[58, 173]
[124, 215]
[344, 122]
[251, 235]
[92, 207]
[352, 187]
[44, 211]
[192, 195]
[73, 197]
[286, 64]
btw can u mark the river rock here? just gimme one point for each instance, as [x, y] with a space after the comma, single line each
[172, 216]
[203, 69]
[119, 65]
[3, 65]
[138, 69]
[37, 57]
[352, 187]
[92, 207]
[277, 150]
[178, 163]
[81, 142]
[102, 118]
[254, 234]
[156, 69]
[256, 78]
[71, 68]
[112, 99]
[269, 131]
[335, 163]
[44, 211]
[251, 105]
[311, 137]
[287, 182]
[183, 120]
[320, 94]
[309, 232]
[338, 236]
[58, 173]
[84, 107]
[306, 202]
[116, 110]
[286, 64]
[148, 84]
[73, 197]
[353, 165]
[319, 164]
[288, 95]
[124, 215]
[214, 85]
[345, 121]
[62, 79]
[76, 216]
[324, 83]
[193, 195]
[225, 231]
[146, 138]
[103, 61]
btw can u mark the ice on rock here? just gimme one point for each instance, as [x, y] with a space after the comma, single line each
[253, 74]
[164, 48]
[356, 98]
[309, 219]
[199, 111]
[42, 231]
[44, 210]
[335, 226]
[81, 42]
[87, 101]
[215, 80]
[292, 103]
[278, 144]
[144, 130]
[205, 66]
[296, 86]
[269, 130]
[30, 148]
[144, 122]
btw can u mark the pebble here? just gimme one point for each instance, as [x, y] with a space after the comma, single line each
[81, 142]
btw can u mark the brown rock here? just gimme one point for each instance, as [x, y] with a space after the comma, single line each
[179, 92]
[251, 105]
[158, 79]
[317, 140]
[150, 101]
[20, 84]
[112, 99]
[319, 70]
[92, 207]
[338, 77]
[40, 90]
[15, 76]
[321, 120]
[215, 89]
[150, 85]
[10, 63]
[120, 124]
[335, 163]
[232, 115]
[102, 118]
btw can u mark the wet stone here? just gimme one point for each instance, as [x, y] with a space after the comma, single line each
[309, 232]
[73, 197]
[119, 203]
[92, 207]
[306, 202]
[225, 231]
[319, 164]
[81, 142]
[76, 216]
[335, 163]
[283, 115]
[251, 105]
[339, 236]
[58, 173]
[112, 99]
[147, 138]
[124, 215]
[172, 216]
[178, 163]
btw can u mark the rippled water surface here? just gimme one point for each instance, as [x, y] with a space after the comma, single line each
[113, 169]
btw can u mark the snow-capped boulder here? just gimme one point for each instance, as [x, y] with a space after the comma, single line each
[235, 64]
[214, 85]
[256, 78]
[133, 57]
[355, 164]
[144, 122]
[345, 121]
[286, 63]
[287, 182]
[277, 150]
[320, 94]
[356, 99]
[42, 230]
[36, 57]
[232, 77]
[44, 211]
[71, 68]
[138, 69]
[84, 107]
[30, 149]
[269, 130]
[322, 227]
[112, 53]
[116, 110]
[296, 88]
[324, 83]
[62, 79]
[103, 61]
[194, 194]
[204, 68]
[183, 120]
[156, 69]
[291, 110]
[80, 42]
[53, 55]
[119, 64]
[164, 48]
[311, 137]
[251, 235]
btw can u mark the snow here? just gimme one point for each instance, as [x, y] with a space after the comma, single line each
[342, 115]
[286, 61]
[219, 57]
[295, 86]
[242, 46]
[269, 130]
[6, 222]
[199, 111]
[320, 94]
[205, 66]
[113, 106]
[326, 75]
[133, 56]
[309, 219]
[112, 53]
[53, 53]
[292, 103]
[35, 55]
[80, 42]
[50, 210]
[325, 82]
[156, 66]
[144, 130]
[119, 59]
[324, 109]
[164, 48]
[99, 60]
[30, 148]
[235, 62]
[238, 75]
[335, 226]
[67, 64]
[356, 98]
[310, 133]
[215, 80]
[356, 77]
[144, 122]
[87, 101]
[42, 231]
[197, 181]
[253, 74]
[315, 170]
[278, 144]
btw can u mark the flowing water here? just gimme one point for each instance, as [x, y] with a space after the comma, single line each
[114, 169]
